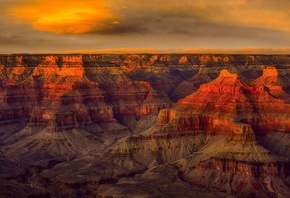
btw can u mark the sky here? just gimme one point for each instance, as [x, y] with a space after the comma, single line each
[144, 26]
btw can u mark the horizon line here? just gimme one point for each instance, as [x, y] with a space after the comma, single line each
[242, 51]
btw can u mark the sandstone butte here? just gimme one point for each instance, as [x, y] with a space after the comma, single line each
[144, 125]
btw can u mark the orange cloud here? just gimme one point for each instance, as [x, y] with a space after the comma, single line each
[72, 16]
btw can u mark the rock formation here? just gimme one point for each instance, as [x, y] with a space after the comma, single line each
[230, 113]
[64, 108]
[107, 125]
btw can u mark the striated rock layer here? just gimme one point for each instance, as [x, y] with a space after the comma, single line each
[102, 125]
[61, 107]
[229, 114]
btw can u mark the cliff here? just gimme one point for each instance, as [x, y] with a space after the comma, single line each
[62, 98]
[219, 124]
[87, 124]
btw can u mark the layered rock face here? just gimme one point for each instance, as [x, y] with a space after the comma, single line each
[217, 106]
[240, 111]
[107, 125]
[228, 114]
[60, 102]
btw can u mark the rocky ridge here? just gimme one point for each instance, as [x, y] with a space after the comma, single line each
[229, 114]
[87, 124]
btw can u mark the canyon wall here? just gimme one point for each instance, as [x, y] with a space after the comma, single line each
[87, 121]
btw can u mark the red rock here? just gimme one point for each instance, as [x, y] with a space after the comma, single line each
[183, 60]
[227, 96]
[270, 79]
[56, 108]
[74, 94]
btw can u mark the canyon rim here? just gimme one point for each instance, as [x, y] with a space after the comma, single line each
[144, 125]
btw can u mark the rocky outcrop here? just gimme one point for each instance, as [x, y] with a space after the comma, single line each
[104, 125]
[65, 98]
[228, 98]
[220, 122]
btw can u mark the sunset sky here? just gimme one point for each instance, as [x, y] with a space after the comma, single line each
[97, 26]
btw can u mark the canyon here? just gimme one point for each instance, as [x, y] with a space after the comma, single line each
[142, 125]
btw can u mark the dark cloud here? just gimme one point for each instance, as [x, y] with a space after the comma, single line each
[192, 24]
[128, 27]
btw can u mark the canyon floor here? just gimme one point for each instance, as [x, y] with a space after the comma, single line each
[144, 125]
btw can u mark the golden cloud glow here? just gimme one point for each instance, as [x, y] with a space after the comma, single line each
[81, 16]
[72, 16]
